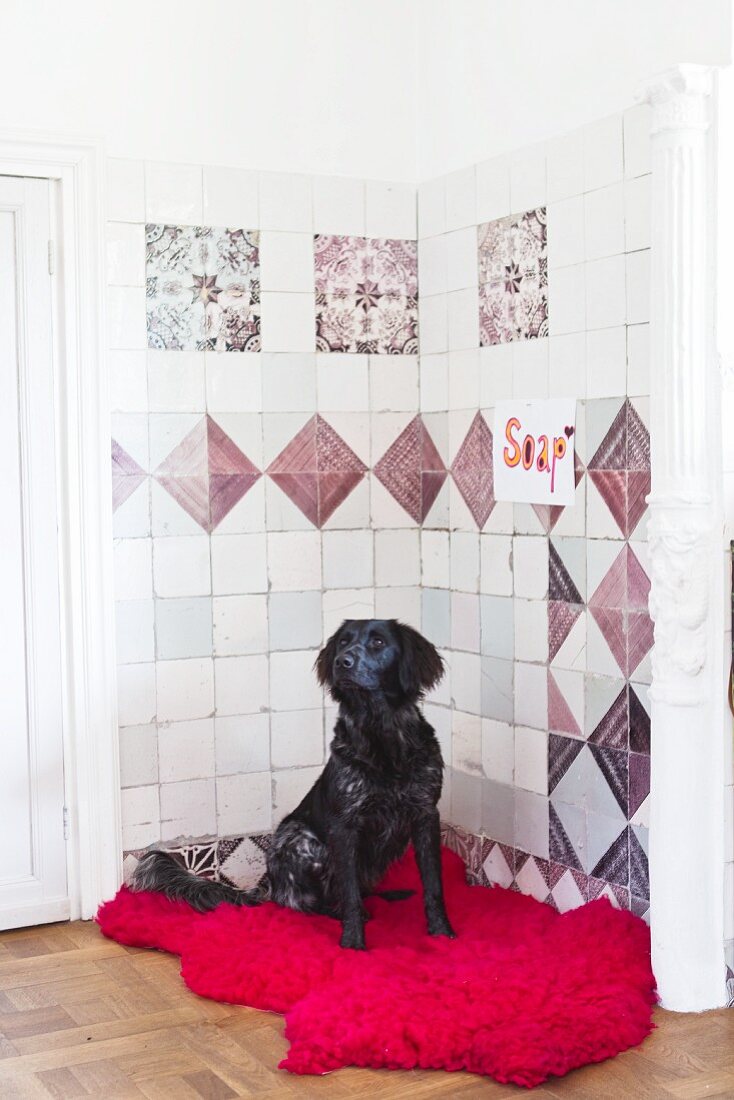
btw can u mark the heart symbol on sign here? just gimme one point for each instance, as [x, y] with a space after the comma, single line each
[568, 432]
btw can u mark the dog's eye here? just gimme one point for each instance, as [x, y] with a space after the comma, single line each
[377, 643]
[343, 641]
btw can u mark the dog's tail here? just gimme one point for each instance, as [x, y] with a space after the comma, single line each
[160, 872]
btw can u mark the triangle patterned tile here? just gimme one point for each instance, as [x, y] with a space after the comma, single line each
[614, 766]
[638, 440]
[639, 874]
[612, 731]
[612, 451]
[639, 780]
[560, 715]
[317, 470]
[613, 865]
[561, 618]
[560, 584]
[560, 847]
[127, 475]
[639, 724]
[473, 470]
[562, 753]
[402, 467]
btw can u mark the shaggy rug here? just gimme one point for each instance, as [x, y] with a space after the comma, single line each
[523, 993]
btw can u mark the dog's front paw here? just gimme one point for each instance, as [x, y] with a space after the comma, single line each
[441, 927]
[353, 938]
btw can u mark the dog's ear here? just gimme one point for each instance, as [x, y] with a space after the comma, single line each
[421, 666]
[325, 661]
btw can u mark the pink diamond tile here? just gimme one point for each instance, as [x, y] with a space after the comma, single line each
[412, 470]
[317, 470]
[560, 715]
[207, 473]
[620, 468]
[126, 475]
[473, 472]
[619, 607]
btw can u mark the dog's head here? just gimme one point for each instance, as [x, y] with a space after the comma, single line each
[378, 655]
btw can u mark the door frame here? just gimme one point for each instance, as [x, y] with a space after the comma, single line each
[91, 754]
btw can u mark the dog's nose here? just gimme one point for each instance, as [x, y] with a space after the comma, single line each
[345, 660]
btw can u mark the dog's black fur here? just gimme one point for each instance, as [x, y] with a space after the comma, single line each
[378, 791]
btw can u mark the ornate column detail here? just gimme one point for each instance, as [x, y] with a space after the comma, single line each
[685, 543]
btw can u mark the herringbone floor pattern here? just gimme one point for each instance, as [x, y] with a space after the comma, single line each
[83, 1017]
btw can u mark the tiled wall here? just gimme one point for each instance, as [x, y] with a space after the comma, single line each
[544, 610]
[285, 458]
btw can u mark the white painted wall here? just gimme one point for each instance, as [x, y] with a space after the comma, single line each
[324, 86]
[495, 75]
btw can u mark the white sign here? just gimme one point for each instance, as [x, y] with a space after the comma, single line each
[533, 451]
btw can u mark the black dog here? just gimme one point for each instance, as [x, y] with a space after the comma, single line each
[378, 791]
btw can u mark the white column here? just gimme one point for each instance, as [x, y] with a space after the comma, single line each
[687, 599]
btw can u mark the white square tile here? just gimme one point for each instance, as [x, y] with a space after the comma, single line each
[463, 319]
[465, 561]
[230, 197]
[638, 287]
[136, 702]
[297, 738]
[125, 254]
[461, 258]
[565, 165]
[603, 152]
[240, 625]
[638, 360]
[495, 374]
[493, 189]
[343, 382]
[399, 603]
[530, 566]
[432, 207]
[466, 681]
[176, 381]
[466, 742]
[604, 222]
[294, 560]
[183, 627]
[290, 785]
[346, 603]
[288, 382]
[244, 804]
[498, 750]
[566, 300]
[531, 695]
[435, 558]
[128, 381]
[531, 630]
[138, 755]
[531, 759]
[567, 365]
[338, 206]
[566, 232]
[637, 141]
[605, 293]
[188, 808]
[397, 557]
[293, 684]
[125, 190]
[295, 620]
[133, 568]
[433, 265]
[394, 383]
[288, 322]
[286, 202]
[239, 563]
[181, 566]
[637, 213]
[464, 379]
[241, 685]
[530, 368]
[134, 635]
[286, 261]
[185, 689]
[186, 750]
[174, 193]
[390, 210]
[496, 564]
[140, 806]
[433, 322]
[606, 362]
[465, 621]
[233, 383]
[528, 185]
[348, 559]
[126, 317]
[242, 743]
[434, 382]
[461, 199]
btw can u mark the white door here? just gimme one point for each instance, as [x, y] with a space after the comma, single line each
[33, 883]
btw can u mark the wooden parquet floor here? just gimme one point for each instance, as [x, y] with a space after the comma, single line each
[81, 1016]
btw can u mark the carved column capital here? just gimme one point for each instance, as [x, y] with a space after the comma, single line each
[679, 98]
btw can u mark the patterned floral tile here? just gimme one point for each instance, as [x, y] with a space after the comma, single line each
[366, 295]
[473, 471]
[412, 470]
[207, 473]
[317, 470]
[202, 288]
[127, 475]
[242, 859]
[513, 278]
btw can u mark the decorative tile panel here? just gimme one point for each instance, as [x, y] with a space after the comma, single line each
[620, 468]
[366, 295]
[412, 470]
[513, 278]
[202, 288]
[473, 471]
[619, 607]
